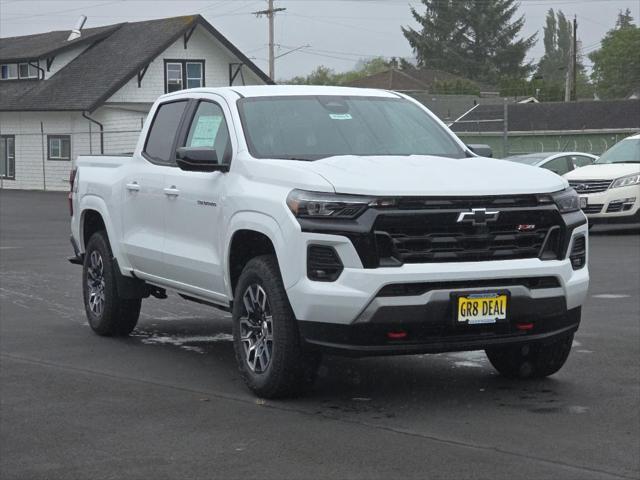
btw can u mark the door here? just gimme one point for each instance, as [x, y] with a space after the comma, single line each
[143, 193]
[193, 212]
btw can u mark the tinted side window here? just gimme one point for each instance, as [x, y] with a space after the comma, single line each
[558, 165]
[159, 146]
[580, 161]
[209, 129]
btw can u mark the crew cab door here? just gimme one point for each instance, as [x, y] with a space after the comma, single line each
[193, 214]
[143, 201]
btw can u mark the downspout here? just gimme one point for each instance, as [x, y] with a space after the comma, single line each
[101, 127]
[44, 170]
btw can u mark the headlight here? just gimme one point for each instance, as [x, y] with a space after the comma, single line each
[567, 200]
[626, 181]
[322, 205]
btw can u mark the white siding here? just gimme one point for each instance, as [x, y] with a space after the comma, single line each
[121, 129]
[201, 46]
[31, 147]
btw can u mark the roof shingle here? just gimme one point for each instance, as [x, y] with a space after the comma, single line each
[98, 72]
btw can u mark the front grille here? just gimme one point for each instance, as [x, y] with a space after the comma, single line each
[593, 208]
[437, 236]
[590, 186]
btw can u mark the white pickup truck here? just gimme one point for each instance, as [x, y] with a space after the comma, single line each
[331, 220]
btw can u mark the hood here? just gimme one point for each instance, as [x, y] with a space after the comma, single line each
[603, 171]
[417, 175]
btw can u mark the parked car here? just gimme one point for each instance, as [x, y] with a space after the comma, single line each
[330, 219]
[610, 188]
[558, 162]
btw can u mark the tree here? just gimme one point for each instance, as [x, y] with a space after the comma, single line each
[624, 20]
[554, 64]
[476, 39]
[326, 76]
[616, 65]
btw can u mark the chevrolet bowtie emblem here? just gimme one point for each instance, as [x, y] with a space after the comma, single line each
[478, 216]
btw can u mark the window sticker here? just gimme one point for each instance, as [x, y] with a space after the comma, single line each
[206, 131]
[340, 116]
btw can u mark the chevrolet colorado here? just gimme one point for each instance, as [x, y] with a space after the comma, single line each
[335, 220]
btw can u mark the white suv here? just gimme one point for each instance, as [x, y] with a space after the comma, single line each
[610, 188]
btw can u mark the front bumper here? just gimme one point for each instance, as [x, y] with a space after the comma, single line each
[354, 314]
[606, 207]
[431, 335]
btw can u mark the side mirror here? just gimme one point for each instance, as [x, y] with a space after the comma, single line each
[199, 159]
[481, 149]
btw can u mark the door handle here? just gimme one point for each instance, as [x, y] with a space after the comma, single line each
[172, 191]
[133, 187]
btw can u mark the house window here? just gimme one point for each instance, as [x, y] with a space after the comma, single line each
[195, 77]
[59, 147]
[174, 77]
[27, 70]
[8, 157]
[180, 74]
[9, 71]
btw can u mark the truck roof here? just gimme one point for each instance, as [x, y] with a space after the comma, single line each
[284, 90]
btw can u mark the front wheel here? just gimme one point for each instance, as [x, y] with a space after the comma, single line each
[269, 352]
[534, 360]
[108, 314]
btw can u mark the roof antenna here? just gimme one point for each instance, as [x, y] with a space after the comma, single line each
[76, 32]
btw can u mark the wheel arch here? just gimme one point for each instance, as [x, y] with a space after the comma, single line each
[251, 234]
[94, 217]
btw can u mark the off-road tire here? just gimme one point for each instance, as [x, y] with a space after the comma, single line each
[117, 316]
[292, 369]
[533, 360]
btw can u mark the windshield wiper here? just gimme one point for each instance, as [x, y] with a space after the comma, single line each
[291, 157]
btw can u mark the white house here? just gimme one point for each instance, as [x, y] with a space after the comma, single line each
[61, 97]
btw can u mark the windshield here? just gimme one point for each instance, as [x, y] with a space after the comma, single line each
[314, 127]
[528, 159]
[626, 151]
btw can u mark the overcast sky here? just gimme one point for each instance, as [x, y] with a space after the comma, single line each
[339, 32]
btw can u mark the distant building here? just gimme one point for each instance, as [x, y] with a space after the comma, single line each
[62, 96]
[589, 126]
[421, 83]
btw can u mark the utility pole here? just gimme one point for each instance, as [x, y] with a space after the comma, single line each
[270, 13]
[574, 63]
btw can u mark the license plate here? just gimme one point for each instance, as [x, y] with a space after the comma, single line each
[584, 201]
[480, 308]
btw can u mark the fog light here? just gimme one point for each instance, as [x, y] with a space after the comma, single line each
[323, 263]
[578, 254]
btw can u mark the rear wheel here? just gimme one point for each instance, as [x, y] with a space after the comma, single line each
[534, 360]
[269, 352]
[108, 314]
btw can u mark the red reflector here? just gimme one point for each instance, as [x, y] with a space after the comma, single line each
[524, 326]
[399, 335]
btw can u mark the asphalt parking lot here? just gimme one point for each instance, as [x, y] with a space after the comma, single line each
[168, 402]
